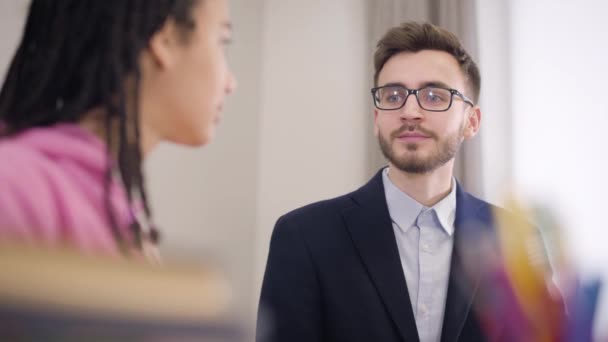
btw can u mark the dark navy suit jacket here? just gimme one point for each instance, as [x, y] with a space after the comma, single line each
[334, 274]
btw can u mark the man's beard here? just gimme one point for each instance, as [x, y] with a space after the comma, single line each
[413, 163]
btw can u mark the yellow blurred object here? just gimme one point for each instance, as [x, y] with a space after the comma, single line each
[528, 268]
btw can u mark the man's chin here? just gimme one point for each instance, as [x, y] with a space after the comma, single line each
[413, 155]
[412, 162]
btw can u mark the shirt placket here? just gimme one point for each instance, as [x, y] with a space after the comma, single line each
[425, 285]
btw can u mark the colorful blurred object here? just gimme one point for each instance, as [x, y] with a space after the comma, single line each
[519, 300]
[529, 272]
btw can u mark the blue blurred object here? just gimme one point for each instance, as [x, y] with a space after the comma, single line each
[582, 305]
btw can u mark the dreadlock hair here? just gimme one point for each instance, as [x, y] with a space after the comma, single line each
[76, 55]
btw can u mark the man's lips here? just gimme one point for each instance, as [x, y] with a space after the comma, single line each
[412, 136]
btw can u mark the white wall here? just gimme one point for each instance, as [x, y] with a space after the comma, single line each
[495, 100]
[560, 119]
[313, 107]
[12, 18]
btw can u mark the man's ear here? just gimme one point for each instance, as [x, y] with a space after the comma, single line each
[473, 123]
[163, 46]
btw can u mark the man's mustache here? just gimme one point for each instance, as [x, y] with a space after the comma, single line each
[413, 128]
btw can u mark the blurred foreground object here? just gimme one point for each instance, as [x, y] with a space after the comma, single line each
[520, 301]
[528, 269]
[61, 295]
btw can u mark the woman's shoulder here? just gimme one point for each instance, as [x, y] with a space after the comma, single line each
[46, 174]
[38, 158]
[27, 201]
[52, 190]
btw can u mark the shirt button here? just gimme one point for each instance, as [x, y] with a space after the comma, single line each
[426, 247]
[424, 309]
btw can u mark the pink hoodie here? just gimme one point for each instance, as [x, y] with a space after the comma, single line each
[52, 191]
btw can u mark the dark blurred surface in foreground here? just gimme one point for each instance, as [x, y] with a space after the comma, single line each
[64, 296]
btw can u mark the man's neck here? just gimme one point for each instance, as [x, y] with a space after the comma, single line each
[427, 188]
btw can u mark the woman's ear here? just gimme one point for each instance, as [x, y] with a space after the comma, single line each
[164, 44]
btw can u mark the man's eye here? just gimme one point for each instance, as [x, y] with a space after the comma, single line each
[435, 97]
[393, 97]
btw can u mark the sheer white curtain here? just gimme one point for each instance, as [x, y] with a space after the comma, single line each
[458, 16]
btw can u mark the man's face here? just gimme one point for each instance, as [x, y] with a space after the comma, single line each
[415, 140]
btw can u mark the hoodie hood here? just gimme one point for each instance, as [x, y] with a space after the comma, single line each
[52, 183]
[67, 142]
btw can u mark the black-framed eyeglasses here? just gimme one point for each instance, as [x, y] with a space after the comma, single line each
[432, 99]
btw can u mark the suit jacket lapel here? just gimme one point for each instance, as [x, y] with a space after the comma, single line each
[370, 226]
[473, 217]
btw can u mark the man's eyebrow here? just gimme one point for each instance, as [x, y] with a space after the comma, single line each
[435, 84]
[395, 84]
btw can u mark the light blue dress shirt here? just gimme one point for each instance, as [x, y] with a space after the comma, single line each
[425, 242]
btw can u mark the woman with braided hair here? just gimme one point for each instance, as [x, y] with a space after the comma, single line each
[93, 87]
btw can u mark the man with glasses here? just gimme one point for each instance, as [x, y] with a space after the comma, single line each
[380, 263]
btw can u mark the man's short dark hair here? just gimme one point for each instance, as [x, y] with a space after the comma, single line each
[414, 37]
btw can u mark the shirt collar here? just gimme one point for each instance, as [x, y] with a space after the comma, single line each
[404, 210]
